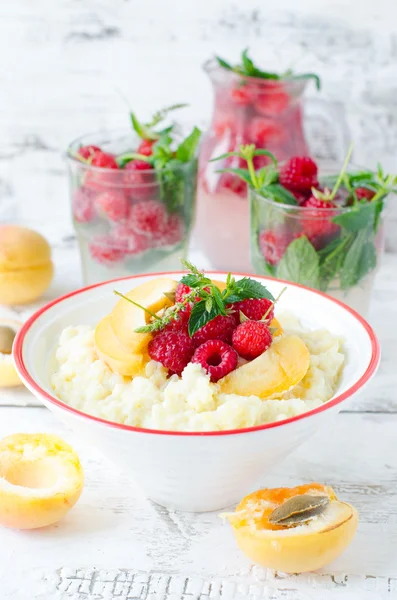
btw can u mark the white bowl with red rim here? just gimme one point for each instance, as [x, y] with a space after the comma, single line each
[194, 471]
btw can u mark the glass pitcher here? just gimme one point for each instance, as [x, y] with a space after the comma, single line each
[270, 114]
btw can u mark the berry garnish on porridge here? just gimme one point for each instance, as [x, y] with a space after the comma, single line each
[197, 355]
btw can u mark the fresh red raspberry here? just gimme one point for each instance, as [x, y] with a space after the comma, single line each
[104, 160]
[254, 309]
[128, 240]
[104, 250]
[220, 328]
[181, 291]
[82, 205]
[313, 202]
[251, 339]
[273, 244]
[113, 205]
[224, 125]
[181, 321]
[232, 183]
[146, 147]
[241, 95]
[87, 152]
[272, 101]
[148, 218]
[300, 197]
[364, 193]
[264, 131]
[299, 174]
[217, 358]
[172, 232]
[136, 180]
[319, 228]
[172, 349]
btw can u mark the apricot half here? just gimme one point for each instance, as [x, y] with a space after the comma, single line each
[126, 317]
[41, 479]
[305, 546]
[112, 352]
[275, 371]
[26, 269]
[8, 375]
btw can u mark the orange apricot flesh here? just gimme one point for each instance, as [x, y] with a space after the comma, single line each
[304, 547]
[41, 479]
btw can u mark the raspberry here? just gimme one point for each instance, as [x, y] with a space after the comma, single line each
[224, 125]
[241, 95]
[113, 205]
[181, 321]
[313, 202]
[104, 250]
[135, 179]
[272, 101]
[364, 193]
[148, 217]
[173, 231]
[172, 349]
[299, 174]
[181, 291]
[318, 228]
[128, 240]
[273, 244]
[217, 358]
[104, 160]
[146, 147]
[220, 328]
[83, 208]
[251, 339]
[262, 131]
[87, 152]
[254, 309]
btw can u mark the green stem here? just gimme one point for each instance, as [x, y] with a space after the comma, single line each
[342, 173]
[149, 312]
[273, 303]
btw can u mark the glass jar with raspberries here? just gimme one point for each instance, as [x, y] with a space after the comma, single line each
[316, 226]
[133, 195]
[251, 106]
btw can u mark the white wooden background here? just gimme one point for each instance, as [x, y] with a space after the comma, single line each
[64, 65]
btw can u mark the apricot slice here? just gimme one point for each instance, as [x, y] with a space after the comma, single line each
[306, 545]
[126, 317]
[275, 371]
[112, 352]
[8, 375]
[276, 328]
[41, 479]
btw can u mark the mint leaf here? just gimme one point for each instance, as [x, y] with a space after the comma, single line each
[187, 148]
[316, 78]
[360, 260]
[200, 316]
[300, 263]
[246, 288]
[331, 259]
[278, 193]
[224, 64]
[359, 217]
[142, 130]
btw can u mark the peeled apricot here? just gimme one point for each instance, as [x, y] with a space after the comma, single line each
[41, 479]
[274, 372]
[306, 544]
[113, 354]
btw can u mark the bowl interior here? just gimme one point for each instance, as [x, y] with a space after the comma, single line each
[88, 306]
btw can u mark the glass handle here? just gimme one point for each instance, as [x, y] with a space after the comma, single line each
[327, 133]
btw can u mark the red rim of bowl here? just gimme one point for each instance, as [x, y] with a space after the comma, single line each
[35, 388]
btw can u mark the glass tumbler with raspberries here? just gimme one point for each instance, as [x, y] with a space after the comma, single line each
[133, 196]
[250, 106]
[321, 226]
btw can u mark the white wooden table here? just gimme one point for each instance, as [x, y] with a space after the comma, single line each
[116, 545]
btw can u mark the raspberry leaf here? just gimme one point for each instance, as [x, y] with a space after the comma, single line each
[300, 263]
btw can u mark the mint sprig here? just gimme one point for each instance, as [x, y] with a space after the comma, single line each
[247, 68]
[208, 301]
